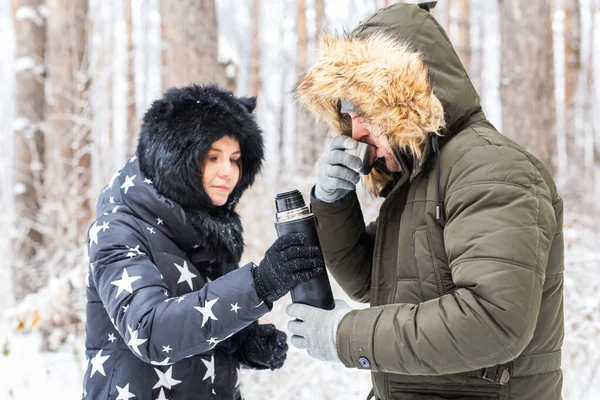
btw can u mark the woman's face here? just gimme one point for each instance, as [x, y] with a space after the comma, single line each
[221, 169]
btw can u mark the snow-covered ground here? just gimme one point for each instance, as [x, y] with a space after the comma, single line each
[26, 373]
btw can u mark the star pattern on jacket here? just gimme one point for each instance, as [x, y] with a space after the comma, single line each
[161, 395]
[128, 183]
[98, 363]
[95, 230]
[134, 341]
[165, 379]
[207, 312]
[210, 369]
[125, 283]
[186, 274]
[124, 393]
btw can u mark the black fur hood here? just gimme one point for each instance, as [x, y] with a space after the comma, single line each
[178, 130]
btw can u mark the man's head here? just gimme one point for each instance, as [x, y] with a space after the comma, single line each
[401, 73]
[365, 131]
[184, 128]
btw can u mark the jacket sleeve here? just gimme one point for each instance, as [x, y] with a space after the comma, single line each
[500, 224]
[346, 243]
[139, 304]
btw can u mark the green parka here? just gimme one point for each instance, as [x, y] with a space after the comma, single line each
[463, 267]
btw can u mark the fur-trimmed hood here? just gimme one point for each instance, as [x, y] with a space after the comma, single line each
[177, 132]
[401, 71]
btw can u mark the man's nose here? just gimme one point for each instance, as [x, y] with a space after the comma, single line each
[359, 130]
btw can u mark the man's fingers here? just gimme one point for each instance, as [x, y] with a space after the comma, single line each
[298, 342]
[297, 328]
[300, 311]
[340, 172]
[339, 157]
[342, 142]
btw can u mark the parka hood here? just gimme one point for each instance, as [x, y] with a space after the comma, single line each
[401, 71]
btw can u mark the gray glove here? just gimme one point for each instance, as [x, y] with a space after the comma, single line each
[337, 170]
[315, 329]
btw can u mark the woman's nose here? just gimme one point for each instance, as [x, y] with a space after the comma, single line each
[225, 170]
[359, 130]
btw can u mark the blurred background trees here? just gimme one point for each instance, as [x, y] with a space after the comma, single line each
[77, 76]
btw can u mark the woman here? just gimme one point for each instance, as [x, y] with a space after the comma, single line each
[169, 314]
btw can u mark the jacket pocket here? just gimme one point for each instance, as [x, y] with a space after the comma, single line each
[412, 393]
[428, 267]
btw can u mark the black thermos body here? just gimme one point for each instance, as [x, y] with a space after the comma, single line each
[293, 216]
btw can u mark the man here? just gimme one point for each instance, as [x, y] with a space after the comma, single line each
[463, 266]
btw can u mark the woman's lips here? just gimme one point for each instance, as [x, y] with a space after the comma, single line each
[222, 188]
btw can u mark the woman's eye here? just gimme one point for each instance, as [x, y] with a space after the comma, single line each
[236, 160]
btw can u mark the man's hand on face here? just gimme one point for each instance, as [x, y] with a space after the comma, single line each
[337, 170]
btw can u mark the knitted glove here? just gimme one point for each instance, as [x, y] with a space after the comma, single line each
[337, 170]
[288, 262]
[263, 347]
[315, 329]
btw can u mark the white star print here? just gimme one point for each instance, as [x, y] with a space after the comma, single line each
[125, 308]
[159, 221]
[196, 246]
[210, 369]
[165, 379]
[161, 395]
[213, 341]
[124, 393]
[95, 229]
[180, 299]
[167, 349]
[111, 337]
[151, 230]
[135, 342]
[111, 200]
[97, 363]
[186, 274]
[132, 159]
[114, 210]
[128, 183]
[163, 362]
[112, 180]
[148, 181]
[125, 282]
[234, 307]
[206, 311]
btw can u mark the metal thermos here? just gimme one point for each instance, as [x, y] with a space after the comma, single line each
[293, 216]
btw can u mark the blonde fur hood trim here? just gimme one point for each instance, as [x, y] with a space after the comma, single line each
[385, 79]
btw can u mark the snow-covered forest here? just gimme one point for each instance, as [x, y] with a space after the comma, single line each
[77, 76]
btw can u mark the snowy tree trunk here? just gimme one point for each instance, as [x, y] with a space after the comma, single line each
[132, 119]
[30, 71]
[67, 126]
[190, 44]
[255, 80]
[463, 39]
[527, 83]
[309, 135]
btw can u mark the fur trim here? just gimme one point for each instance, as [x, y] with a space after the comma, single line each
[177, 132]
[385, 79]
[221, 236]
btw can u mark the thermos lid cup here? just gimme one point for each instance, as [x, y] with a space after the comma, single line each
[367, 154]
[289, 201]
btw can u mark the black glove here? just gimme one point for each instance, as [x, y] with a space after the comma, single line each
[288, 262]
[263, 347]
